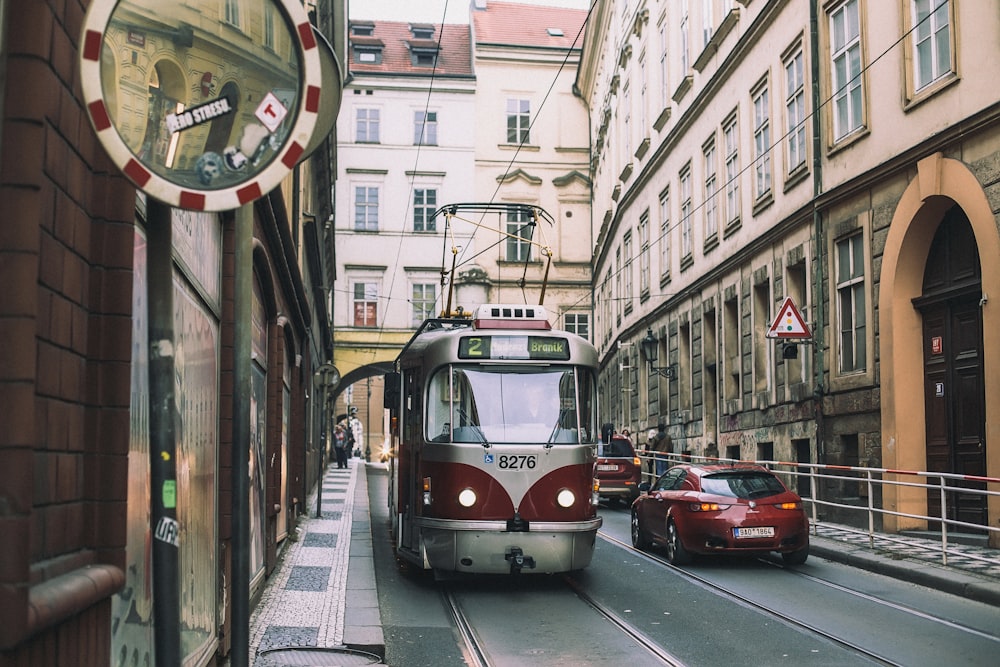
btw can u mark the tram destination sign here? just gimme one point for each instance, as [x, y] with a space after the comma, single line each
[541, 348]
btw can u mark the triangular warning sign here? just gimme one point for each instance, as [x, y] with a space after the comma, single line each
[789, 322]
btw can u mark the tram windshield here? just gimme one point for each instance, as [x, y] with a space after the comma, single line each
[552, 405]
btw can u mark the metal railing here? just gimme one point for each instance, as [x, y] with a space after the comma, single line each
[876, 481]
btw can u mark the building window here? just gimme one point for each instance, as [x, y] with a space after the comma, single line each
[845, 55]
[423, 299]
[711, 203]
[761, 143]
[686, 207]
[851, 303]
[269, 26]
[795, 110]
[422, 57]
[425, 128]
[365, 208]
[644, 254]
[518, 121]
[368, 55]
[664, 234]
[931, 41]
[685, 37]
[617, 296]
[519, 229]
[578, 323]
[367, 128]
[627, 120]
[627, 279]
[707, 22]
[643, 103]
[424, 205]
[365, 304]
[231, 12]
[664, 68]
[731, 137]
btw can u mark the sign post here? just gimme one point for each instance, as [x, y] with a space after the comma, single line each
[207, 117]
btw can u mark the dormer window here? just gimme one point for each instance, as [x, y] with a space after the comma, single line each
[363, 29]
[422, 57]
[368, 55]
[421, 31]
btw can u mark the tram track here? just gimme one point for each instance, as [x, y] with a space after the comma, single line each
[753, 604]
[475, 647]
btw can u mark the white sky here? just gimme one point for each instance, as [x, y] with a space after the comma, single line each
[432, 11]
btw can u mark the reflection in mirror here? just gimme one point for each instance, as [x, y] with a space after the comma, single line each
[204, 93]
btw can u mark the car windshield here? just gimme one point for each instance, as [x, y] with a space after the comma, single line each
[504, 405]
[739, 484]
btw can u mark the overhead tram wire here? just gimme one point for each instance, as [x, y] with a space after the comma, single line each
[775, 144]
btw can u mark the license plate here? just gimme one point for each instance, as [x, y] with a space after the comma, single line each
[604, 467]
[753, 531]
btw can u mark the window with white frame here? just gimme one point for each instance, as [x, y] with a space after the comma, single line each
[664, 234]
[617, 296]
[607, 303]
[643, 230]
[578, 323]
[365, 303]
[795, 110]
[627, 119]
[231, 12]
[643, 103]
[845, 66]
[730, 135]
[931, 41]
[367, 126]
[424, 205]
[761, 142]
[707, 22]
[425, 128]
[686, 209]
[627, 267]
[365, 208]
[664, 68]
[518, 121]
[423, 298]
[851, 309]
[519, 230]
[685, 37]
[711, 202]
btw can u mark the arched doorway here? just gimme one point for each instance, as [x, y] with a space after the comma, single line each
[954, 400]
[941, 188]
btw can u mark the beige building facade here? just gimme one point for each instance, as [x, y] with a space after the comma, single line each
[741, 157]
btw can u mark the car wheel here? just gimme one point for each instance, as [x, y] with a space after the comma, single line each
[640, 539]
[796, 557]
[676, 553]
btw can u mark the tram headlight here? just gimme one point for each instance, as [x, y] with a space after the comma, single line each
[565, 498]
[467, 498]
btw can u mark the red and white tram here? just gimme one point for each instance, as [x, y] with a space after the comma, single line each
[494, 432]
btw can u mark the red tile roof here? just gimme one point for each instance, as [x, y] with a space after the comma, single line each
[527, 25]
[454, 59]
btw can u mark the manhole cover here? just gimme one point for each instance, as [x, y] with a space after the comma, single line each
[316, 657]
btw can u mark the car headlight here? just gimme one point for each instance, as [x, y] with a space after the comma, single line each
[565, 498]
[467, 498]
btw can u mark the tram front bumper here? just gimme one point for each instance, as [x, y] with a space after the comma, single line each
[487, 547]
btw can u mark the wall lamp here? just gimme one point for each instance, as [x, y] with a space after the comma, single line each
[650, 349]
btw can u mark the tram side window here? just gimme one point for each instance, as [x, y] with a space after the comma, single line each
[439, 407]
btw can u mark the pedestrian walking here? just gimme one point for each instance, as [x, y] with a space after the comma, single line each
[661, 444]
[340, 445]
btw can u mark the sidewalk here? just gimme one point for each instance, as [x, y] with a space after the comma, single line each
[320, 607]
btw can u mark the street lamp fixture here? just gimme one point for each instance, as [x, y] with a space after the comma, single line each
[650, 350]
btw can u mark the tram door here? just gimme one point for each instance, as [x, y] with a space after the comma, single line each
[409, 478]
[954, 393]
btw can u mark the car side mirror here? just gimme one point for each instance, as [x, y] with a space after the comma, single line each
[644, 487]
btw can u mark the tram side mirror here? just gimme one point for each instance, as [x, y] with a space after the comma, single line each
[390, 395]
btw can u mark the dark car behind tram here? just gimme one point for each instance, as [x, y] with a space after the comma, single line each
[618, 471]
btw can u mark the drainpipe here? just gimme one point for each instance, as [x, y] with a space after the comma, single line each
[819, 235]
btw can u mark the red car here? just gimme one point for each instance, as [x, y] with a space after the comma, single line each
[720, 509]
[618, 470]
